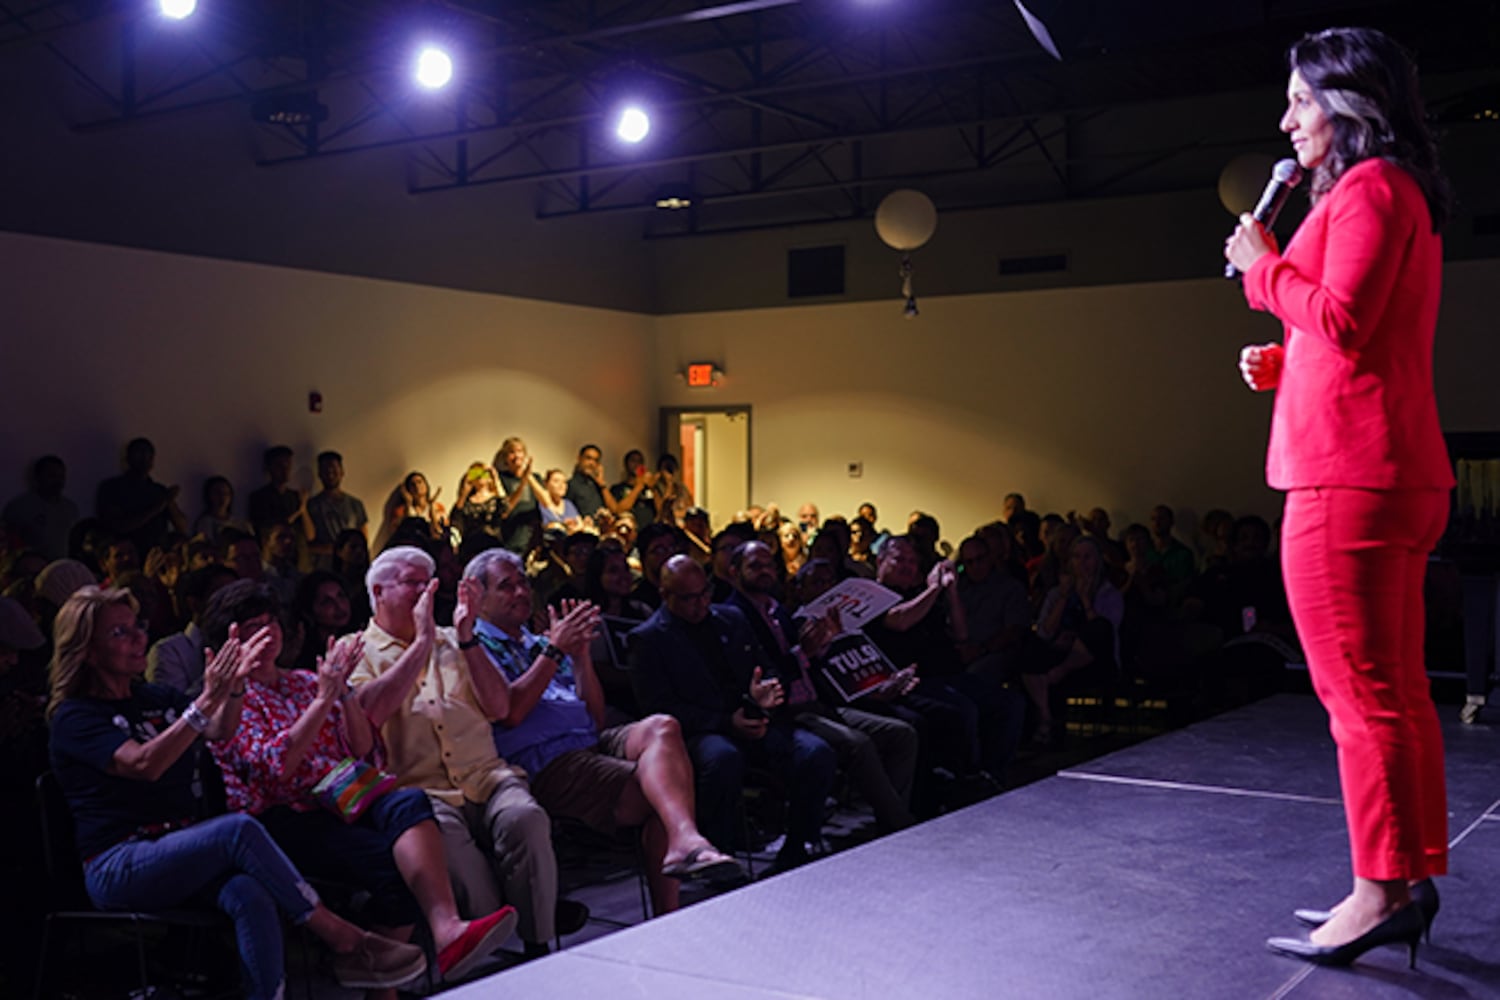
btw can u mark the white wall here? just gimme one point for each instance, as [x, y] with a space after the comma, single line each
[212, 360]
[1120, 396]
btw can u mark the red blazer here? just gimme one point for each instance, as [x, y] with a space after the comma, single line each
[1357, 290]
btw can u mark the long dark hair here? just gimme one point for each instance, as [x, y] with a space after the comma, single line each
[1367, 86]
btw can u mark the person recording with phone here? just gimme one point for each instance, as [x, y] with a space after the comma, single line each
[634, 493]
[1356, 445]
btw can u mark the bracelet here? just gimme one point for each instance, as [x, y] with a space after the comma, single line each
[193, 716]
[470, 642]
[550, 650]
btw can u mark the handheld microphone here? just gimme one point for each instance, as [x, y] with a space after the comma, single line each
[1284, 176]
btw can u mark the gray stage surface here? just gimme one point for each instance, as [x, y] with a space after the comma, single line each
[1154, 872]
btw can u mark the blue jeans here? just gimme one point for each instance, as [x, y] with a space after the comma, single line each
[229, 862]
[360, 853]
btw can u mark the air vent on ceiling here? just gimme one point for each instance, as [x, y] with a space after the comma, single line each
[1036, 264]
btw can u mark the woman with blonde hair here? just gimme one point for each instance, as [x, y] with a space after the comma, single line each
[125, 755]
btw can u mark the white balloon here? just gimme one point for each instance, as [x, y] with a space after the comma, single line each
[906, 219]
[1242, 180]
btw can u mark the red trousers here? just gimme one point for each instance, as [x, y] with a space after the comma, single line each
[1354, 561]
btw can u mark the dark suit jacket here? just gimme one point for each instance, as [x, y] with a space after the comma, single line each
[669, 674]
[783, 666]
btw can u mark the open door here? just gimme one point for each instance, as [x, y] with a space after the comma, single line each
[713, 445]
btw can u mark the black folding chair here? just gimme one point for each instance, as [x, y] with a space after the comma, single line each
[69, 904]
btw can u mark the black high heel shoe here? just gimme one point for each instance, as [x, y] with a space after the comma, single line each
[1424, 897]
[1404, 927]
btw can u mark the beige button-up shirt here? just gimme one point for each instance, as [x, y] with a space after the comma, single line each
[440, 740]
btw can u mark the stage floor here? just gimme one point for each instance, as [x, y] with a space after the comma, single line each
[1157, 871]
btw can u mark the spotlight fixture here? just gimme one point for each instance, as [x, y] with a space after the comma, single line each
[634, 124]
[434, 67]
[177, 9]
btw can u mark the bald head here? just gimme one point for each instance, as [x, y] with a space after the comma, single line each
[685, 590]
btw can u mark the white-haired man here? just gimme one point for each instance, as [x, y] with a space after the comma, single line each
[433, 693]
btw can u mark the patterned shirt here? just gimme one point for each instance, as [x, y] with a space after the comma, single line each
[558, 723]
[439, 740]
[253, 759]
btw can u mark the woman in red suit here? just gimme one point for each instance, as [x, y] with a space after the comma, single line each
[1356, 445]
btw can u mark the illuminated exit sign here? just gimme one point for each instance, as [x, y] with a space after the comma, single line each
[700, 375]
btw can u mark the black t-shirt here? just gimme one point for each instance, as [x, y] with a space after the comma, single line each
[273, 505]
[644, 508]
[521, 529]
[586, 495]
[108, 809]
[126, 497]
[927, 643]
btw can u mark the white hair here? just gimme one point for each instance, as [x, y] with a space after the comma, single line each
[388, 565]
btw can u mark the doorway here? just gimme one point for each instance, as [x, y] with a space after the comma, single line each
[713, 445]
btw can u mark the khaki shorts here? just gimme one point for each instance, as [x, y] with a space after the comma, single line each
[586, 785]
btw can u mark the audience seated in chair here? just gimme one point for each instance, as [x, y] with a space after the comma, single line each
[657, 542]
[698, 663]
[296, 727]
[637, 774]
[177, 660]
[433, 694]
[926, 629]
[218, 510]
[132, 792]
[878, 752]
[1078, 628]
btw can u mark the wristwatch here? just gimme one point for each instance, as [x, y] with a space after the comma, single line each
[552, 652]
[470, 642]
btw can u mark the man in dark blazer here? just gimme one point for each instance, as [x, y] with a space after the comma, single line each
[878, 752]
[698, 663]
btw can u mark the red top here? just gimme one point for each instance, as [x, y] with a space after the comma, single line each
[252, 760]
[1357, 291]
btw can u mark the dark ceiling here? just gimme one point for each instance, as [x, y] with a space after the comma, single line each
[765, 111]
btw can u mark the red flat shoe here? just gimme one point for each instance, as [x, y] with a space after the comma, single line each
[478, 941]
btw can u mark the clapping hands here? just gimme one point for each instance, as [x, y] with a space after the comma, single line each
[574, 627]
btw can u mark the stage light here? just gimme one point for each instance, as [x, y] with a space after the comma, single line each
[177, 9]
[434, 67]
[633, 124]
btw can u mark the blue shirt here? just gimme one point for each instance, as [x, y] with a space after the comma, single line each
[560, 722]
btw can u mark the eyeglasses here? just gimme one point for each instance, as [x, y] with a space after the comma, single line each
[694, 595]
[412, 581]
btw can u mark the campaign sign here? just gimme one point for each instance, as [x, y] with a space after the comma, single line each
[857, 601]
[854, 665]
